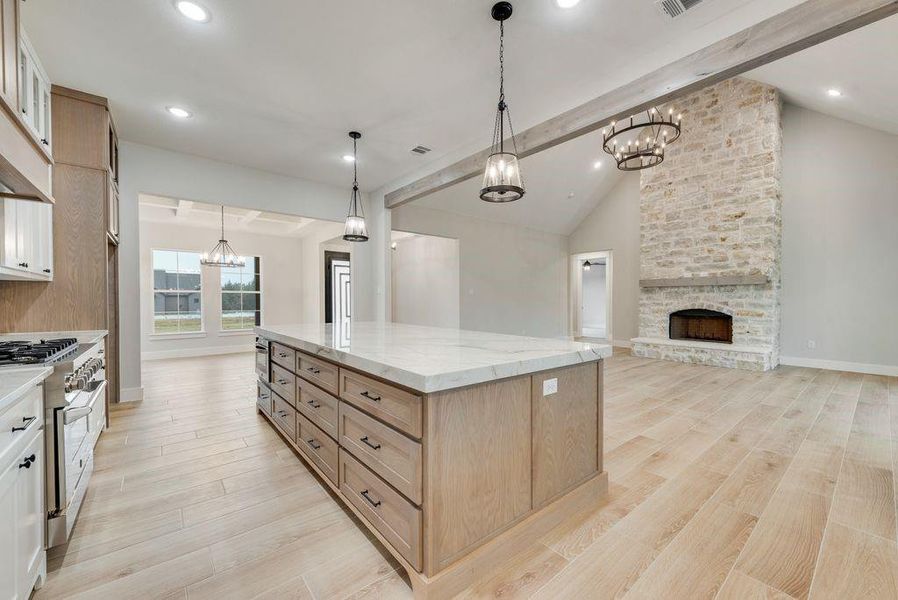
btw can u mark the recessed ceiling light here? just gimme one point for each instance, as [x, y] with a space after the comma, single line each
[177, 111]
[567, 3]
[348, 158]
[834, 93]
[597, 164]
[192, 11]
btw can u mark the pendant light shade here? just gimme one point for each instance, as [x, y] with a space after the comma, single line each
[502, 181]
[502, 178]
[222, 255]
[355, 229]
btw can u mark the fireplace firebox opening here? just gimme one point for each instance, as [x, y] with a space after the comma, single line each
[702, 325]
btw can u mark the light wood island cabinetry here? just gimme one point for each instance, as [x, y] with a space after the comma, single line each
[456, 466]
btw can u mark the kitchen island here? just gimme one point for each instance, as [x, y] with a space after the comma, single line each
[457, 449]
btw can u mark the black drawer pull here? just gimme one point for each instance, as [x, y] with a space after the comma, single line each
[373, 503]
[27, 421]
[282, 382]
[313, 404]
[311, 442]
[368, 395]
[313, 370]
[365, 441]
[282, 414]
[28, 461]
[282, 355]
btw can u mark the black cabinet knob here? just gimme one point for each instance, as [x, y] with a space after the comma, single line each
[46, 270]
[28, 461]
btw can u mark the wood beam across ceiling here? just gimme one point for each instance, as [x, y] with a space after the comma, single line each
[791, 31]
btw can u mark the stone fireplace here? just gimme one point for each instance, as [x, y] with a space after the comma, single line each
[710, 233]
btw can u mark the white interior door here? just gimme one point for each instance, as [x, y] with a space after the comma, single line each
[341, 293]
[590, 293]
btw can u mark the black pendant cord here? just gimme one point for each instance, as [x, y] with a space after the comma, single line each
[355, 164]
[503, 111]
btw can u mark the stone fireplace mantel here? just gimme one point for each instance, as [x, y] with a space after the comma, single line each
[758, 279]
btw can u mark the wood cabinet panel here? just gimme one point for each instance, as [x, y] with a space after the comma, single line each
[565, 431]
[284, 415]
[320, 449]
[393, 456]
[80, 127]
[283, 382]
[477, 471]
[319, 372]
[318, 406]
[395, 518]
[284, 356]
[390, 404]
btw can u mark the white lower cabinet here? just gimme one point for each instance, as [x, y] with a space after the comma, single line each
[23, 563]
[26, 249]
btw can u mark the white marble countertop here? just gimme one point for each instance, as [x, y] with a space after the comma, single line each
[431, 359]
[14, 382]
[83, 337]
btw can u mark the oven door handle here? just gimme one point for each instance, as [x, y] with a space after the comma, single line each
[70, 415]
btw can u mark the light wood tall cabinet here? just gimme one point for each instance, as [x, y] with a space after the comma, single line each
[451, 482]
[83, 293]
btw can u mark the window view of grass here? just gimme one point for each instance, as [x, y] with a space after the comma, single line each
[177, 291]
[241, 296]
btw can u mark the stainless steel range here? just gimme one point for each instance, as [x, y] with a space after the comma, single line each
[75, 414]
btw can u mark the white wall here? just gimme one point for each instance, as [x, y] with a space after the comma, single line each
[282, 284]
[840, 210]
[594, 314]
[145, 169]
[313, 246]
[512, 279]
[614, 225]
[425, 278]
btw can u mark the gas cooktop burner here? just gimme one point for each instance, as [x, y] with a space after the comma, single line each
[18, 352]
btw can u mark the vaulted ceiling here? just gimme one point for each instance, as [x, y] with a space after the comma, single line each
[276, 84]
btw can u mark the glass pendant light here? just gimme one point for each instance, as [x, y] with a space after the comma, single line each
[355, 229]
[222, 254]
[502, 180]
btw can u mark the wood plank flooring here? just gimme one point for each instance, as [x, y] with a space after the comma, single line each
[724, 484]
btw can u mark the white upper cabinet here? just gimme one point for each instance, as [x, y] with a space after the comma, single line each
[26, 248]
[34, 92]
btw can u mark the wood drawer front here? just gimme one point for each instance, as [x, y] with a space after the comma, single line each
[319, 372]
[397, 520]
[319, 407]
[263, 398]
[397, 407]
[283, 382]
[318, 447]
[284, 415]
[393, 456]
[282, 355]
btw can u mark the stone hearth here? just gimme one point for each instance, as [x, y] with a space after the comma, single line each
[711, 212]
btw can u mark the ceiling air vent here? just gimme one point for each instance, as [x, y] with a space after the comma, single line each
[676, 8]
[420, 149]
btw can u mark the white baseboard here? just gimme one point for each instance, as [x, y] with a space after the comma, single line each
[191, 352]
[840, 365]
[134, 394]
[622, 343]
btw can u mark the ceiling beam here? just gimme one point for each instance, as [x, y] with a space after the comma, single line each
[791, 31]
[249, 217]
[183, 209]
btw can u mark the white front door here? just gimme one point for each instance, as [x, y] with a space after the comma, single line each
[341, 293]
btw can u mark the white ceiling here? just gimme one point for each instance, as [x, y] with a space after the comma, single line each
[276, 84]
[862, 64]
[159, 209]
[563, 187]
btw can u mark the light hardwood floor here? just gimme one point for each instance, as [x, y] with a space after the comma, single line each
[724, 484]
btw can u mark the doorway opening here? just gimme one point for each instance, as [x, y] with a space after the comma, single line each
[591, 295]
[337, 288]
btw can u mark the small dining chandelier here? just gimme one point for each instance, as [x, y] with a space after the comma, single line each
[640, 141]
[502, 180]
[222, 254]
[355, 229]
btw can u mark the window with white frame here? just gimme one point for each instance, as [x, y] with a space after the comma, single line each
[241, 295]
[177, 292]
